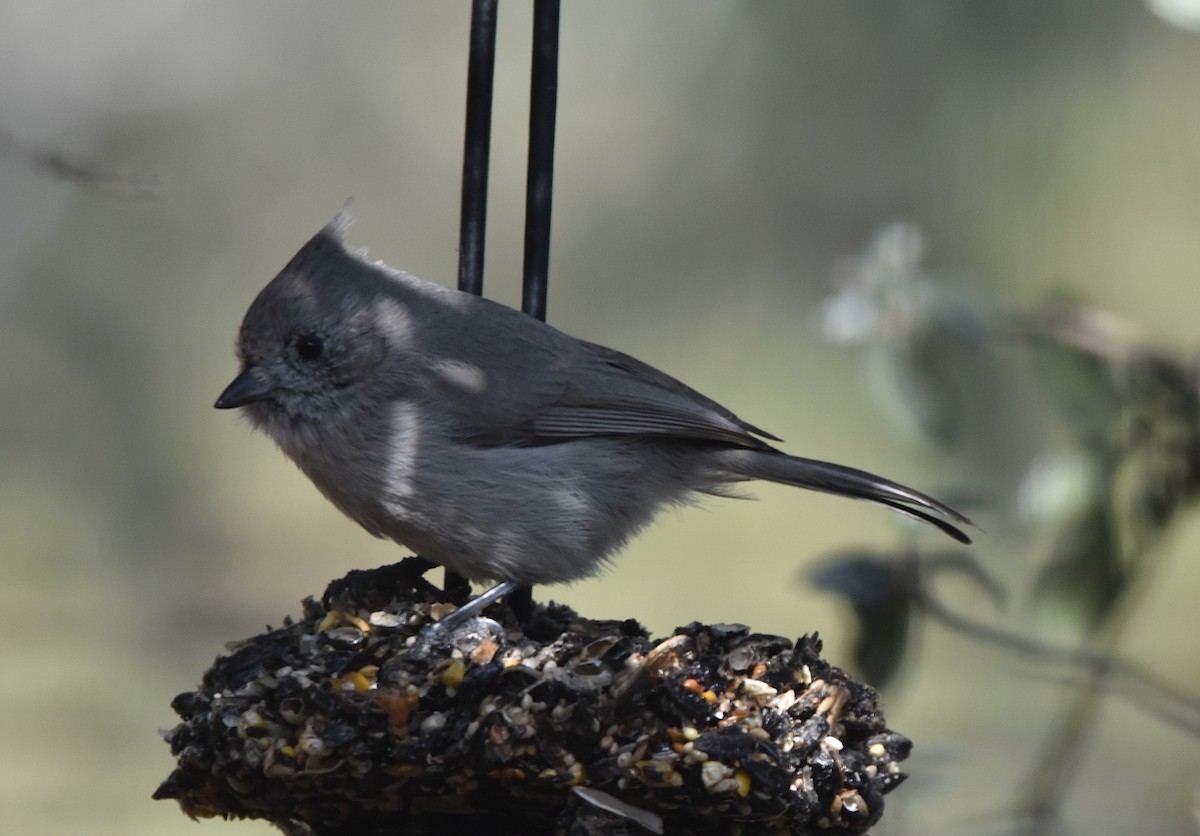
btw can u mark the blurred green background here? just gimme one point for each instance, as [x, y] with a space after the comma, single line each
[716, 163]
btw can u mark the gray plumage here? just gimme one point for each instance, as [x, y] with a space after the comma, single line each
[485, 440]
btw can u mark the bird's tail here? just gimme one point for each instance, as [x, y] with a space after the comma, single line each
[775, 466]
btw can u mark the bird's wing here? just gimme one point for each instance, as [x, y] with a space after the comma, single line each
[550, 387]
[610, 393]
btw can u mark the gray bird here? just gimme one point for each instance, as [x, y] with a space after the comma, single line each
[488, 441]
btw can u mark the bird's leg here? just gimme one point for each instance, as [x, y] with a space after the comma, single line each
[520, 601]
[456, 586]
[467, 611]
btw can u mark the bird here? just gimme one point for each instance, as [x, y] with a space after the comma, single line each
[484, 439]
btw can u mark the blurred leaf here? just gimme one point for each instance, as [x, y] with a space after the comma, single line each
[1080, 355]
[882, 593]
[1083, 389]
[918, 380]
[927, 341]
[878, 591]
[1086, 574]
[1137, 411]
[1059, 486]
[1160, 469]
[1182, 13]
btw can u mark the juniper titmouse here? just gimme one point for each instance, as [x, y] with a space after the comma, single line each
[484, 439]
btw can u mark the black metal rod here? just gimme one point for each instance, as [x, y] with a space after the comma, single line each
[539, 181]
[539, 187]
[481, 67]
[540, 177]
[472, 230]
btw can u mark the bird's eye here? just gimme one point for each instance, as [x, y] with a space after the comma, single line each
[309, 348]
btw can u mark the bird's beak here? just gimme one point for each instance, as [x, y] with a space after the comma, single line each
[246, 388]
